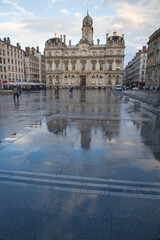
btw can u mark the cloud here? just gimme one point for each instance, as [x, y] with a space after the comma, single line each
[78, 14]
[21, 12]
[64, 11]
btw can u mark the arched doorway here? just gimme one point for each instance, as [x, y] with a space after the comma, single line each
[83, 80]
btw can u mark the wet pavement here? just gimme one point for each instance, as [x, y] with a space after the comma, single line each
[81, 166]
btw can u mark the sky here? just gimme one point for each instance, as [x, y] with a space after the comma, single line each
[33, 22]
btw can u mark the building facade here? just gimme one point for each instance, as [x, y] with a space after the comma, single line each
[85, 64]
[34, 65]
[11, 62]
[135, 71]
[153, 63]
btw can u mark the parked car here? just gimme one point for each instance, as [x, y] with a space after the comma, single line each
[135, 88]
[118, 87]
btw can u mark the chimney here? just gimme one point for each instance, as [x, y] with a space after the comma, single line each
[37, 49]
[5, 40]
[64, 37]
[17, 45]
[61, 39]
[137, 54]
[144, 48]
[123, 36]
[32, 50]
[107, 37]
[98, 41]
[27, 51]
[8, 41]
[69, 42]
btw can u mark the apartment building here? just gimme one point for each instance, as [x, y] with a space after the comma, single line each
[34, 65]
[11, 62]
[135, 71]
[153, 63]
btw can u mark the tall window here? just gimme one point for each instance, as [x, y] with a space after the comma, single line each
[93, 66]
[57, 66]
[50, 79]
[50, 66]
[83, 66]
[110, 66]
[73, 66]
[101, 66]
[109, 80]
[66, 66]
[57, 79]
[117, 80]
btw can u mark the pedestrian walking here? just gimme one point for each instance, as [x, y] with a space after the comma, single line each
[56, 92]
[15, 93]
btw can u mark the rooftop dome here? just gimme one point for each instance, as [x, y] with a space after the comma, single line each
[115, 37]
[87, 18]
[54, 40]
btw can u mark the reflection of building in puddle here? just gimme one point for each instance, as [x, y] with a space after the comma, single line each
[151, 136]
[57, 126]
[109, 130]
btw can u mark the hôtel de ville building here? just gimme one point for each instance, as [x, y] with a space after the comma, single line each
[85, 64]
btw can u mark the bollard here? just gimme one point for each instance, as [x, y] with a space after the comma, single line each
[155, 103]
[126, 99]
[148, 100]
[143, 99]
[137, 104]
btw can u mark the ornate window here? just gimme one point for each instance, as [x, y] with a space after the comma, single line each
[57, 79]
[73, 53]
[94, 53]
[93, 66]
[57, 66]
[66, 66]
[49, 54]
[73, 66]
[50, 66]
[118, 52]
[117, 80]
[66, 54]
[118, 67]
[110, 66]
[50, 79]
[83, 66]
[101, 66]
[110, 80]
[110, 52]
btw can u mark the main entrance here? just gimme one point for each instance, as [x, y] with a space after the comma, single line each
[83, 80]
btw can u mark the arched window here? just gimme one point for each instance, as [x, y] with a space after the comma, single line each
[118, 52]
[66, 54]
[118, 67]
[73, 53]
[49, 54]
[57, 79]
[110, 80]
[93, 76]
[94, 53]
[110, 52]
[117, 80]
[50, 79]
[110, 66]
